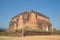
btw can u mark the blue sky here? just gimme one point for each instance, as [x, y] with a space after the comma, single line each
[10, 8]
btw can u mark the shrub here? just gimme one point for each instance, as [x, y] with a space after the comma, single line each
[55, 30]
[1, 30]
[37, 30]
[27, 28]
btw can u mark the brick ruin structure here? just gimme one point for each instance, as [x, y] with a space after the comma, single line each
[32, 19]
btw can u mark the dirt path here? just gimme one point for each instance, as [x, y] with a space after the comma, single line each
[50, 37]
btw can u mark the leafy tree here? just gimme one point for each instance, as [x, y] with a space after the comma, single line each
[55, 30]
[2, 30]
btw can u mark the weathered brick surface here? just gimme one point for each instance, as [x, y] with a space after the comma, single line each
[31, 19]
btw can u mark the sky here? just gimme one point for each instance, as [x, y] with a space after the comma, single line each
[10, 8]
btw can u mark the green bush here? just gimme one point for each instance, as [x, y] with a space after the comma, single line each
[27, 28]
[37, 30]
[1, 30]
[19, 30]
[55, 30]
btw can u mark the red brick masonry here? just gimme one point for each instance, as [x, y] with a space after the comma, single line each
[32, 19]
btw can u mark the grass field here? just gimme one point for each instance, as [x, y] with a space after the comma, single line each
[46, 37]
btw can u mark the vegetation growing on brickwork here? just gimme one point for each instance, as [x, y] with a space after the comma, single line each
[27, 28]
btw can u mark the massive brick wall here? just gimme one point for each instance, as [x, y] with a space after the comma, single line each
[32, 19]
